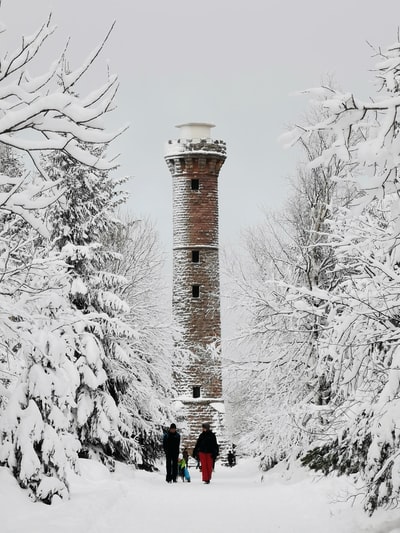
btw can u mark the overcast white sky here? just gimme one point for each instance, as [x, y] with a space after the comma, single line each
[231, 62]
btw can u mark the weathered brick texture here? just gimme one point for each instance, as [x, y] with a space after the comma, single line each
[198, 317]
[197, 412]
[195, 223]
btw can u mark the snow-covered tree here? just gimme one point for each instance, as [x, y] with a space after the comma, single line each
[139, 262]
[361, 341]
[38, 439]
[14, 251]
[38, 327]
[291, 261]
[38, 394]
[80, 219]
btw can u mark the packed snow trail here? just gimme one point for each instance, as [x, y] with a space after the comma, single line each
[238, 500]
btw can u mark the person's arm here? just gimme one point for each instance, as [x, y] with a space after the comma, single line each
[216, 447]
[196, 450]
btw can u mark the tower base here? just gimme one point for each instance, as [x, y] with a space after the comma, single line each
[192, 412]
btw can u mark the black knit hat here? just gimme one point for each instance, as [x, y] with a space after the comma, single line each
[172, 426]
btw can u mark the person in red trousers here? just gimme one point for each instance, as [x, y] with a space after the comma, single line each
[206, 450]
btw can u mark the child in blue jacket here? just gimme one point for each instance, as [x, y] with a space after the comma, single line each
[183, 469]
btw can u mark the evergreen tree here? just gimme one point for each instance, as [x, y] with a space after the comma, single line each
[81, 218]
[39, 329]
[38, 439]
[36, 373]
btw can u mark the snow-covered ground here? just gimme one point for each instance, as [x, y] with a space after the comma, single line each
[238, 500]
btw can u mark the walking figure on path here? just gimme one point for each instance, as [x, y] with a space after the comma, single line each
[206, 450]
[171, 442]
[231, 458]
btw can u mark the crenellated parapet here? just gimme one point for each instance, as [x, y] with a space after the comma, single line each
[188, 164]
[192, 160]
[195, 147]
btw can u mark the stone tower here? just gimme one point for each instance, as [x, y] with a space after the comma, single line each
[194, 161]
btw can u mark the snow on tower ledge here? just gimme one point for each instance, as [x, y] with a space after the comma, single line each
[195, 137]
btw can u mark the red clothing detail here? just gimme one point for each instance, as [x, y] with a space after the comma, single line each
[207, 463]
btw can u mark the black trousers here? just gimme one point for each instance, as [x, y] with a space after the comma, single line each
[172, 466]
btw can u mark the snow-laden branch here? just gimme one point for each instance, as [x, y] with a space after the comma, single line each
[42, 113]
[11, 63]
[70, 79]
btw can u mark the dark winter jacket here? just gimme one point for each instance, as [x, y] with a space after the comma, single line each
[206, 443]
[171, 443]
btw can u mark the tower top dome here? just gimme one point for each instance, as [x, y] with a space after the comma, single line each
[195, 130]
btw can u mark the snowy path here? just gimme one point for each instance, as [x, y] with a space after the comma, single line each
[236, 501]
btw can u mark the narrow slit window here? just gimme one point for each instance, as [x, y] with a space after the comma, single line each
[195, 183]
[196, 391]
[195, 256]
[196, 291]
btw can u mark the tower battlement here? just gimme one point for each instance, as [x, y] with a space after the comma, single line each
[194, 147]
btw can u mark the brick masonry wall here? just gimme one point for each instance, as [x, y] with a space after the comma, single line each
[199, 318]
[195, 215]
[197, 412]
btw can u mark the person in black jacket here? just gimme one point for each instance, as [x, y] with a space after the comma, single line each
[171, 442]
[206, 450]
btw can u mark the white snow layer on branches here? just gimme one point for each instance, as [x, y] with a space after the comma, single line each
[46, 352]
[42, 114]
[358, 352]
